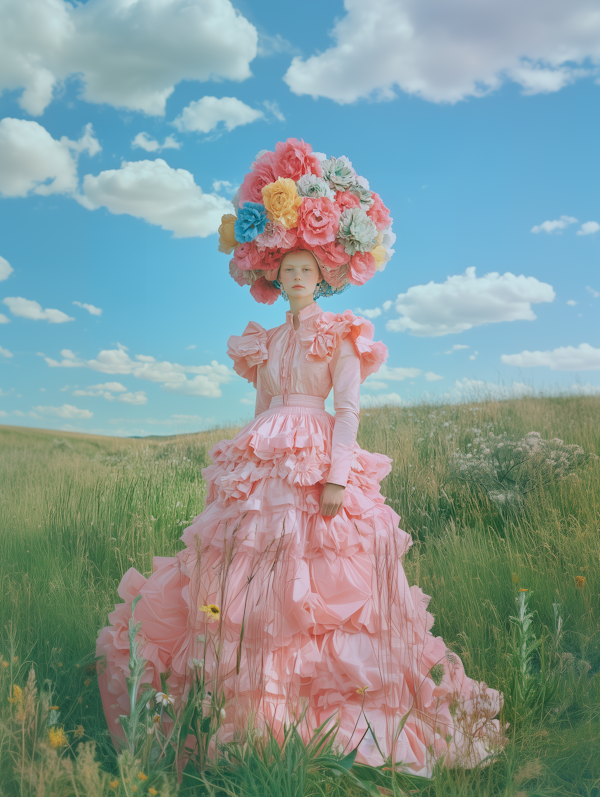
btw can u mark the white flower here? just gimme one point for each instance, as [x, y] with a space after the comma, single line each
[338, 173]
[164, 700]
[357, 231]
[222, 715]
[312, 186]
[198, 664]
[200, 638]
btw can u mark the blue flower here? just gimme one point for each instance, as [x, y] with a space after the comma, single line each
[251, 221]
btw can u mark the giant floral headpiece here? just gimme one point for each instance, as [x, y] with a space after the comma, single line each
[294, 199]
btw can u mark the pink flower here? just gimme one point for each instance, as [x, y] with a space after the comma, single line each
[361, 268]
[262, 174]
[247, 256]
[276, 236]
[293, 159]
[264, 291]
[331, 255]
[270, 260]
[241, 277]
[318, 220]
[336, 277]
[345, 200]
[379, 214]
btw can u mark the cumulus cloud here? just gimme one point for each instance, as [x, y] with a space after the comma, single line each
[594, 293]
[205, 380]
[566, 358]
[571, 302]
[447, 50]
[397, 374]
[206, 114]
[557, 225]
[5, 269]
[5, 352]
[89, 307]
[153, 191]
[380, 400]
[106, 391]
[27, 308]
[431, 377]
[477, 390]
[31, 160]
[588, 228]
[144, 141]
[456, 347]
[465, 301]
[65, 411]
[127, 54]
[374, 313]
[4, 319]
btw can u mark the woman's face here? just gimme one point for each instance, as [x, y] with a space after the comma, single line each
[299, 274]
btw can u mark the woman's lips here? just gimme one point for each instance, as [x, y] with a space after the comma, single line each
[296, 287]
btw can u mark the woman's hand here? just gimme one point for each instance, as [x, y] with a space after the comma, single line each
[332, 499]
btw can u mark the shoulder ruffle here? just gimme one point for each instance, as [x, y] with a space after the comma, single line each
[326, 332]
[248, 351]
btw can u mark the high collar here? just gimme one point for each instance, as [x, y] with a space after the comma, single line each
[303, 315]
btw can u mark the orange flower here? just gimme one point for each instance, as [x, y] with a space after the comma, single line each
[152, 791]
[227, 242]
[282, 201]
[523, 589]
[142, 776]
[580, 582]
[114, 784]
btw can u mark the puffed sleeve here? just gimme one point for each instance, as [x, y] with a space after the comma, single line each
[248, 351]
[345, 369]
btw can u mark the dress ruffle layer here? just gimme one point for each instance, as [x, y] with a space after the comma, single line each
[331, 627]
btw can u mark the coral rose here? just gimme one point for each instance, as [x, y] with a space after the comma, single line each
[247, 256]
[275, 236]
[264, 291]
[282, 201]
[227, 242]
[294, 158]
[345, 200]
[361, 268]
[262, 174]
[379, 214]
[318, 220]
[331, 255]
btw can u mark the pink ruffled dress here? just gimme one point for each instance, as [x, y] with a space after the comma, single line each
[317, 619]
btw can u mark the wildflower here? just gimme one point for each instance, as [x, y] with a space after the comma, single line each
[15, 660]
[361, 690]
[156, 719]
[198, 664]
[200, 638]
[53, 708]
[142, 776]
[79, 731]
[87, 682]
[18, 694]
[163, 699]
[523, 589]
[5, 664]
[580, 582]
[437, 673]
[114, 784]
[56, 737]
[212, 611]
[134, 788]
[515, 578]
[152, 791]
[222, 715]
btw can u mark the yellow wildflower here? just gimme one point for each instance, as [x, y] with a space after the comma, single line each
[17, 695]
[87, 682]
[361, 690]
[580, 582]
[53, 708]
[134, 788]
[212, 611]
[114, 784]
[5, 664]
[152, 791]
[142, 776]
[515, 578]
[79, 731]
[56, 737]
[523, 589]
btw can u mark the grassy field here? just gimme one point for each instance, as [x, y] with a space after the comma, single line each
[76, 511]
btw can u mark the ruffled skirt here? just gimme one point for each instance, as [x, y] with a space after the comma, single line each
[317, 620]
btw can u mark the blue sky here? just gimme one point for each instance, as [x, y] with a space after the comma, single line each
[479, 133]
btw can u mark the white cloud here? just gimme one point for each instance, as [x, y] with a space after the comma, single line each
[31, 160]
[153, 191]
[144, 141]
[381, 400]
[205, 381]
[139, 397]
[27, 308]
[89, 307]
[5, 352]
[273, 108]
[457, 347]
[558, 225]
[191, 347]
[114, 387]
[4, 319]
[588, 228]
[566, 358]
[465, 301]
[473, 356]
[387, 304]
[374, 384]
[397, 374]
[127, 54]
[595, 294]
[225, 186]
[571, 302]
[65, 411]
[375, 313]
[447, 50]
[5, 269]
[431, 377]
[477, 390]
[205, 114]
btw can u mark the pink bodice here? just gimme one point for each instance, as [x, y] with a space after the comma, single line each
[328, 350]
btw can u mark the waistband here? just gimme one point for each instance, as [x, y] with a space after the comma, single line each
[299, 400]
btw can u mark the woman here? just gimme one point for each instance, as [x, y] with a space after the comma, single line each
[290, 588]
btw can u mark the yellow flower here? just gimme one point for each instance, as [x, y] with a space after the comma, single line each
[142, 776]
[523, 589]
[580, 582]
[361, 690]
[212, 611]
[281, 201]
[515, 578]
[134, 788]
[17, 695]
[152, 791]
[79, 731]
[87, 682]
[53, 708]
[56, 737]
[227, 242]
[114, 784]
[378, 251]
[5, 664]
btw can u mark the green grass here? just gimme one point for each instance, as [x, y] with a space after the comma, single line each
[77, 511]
